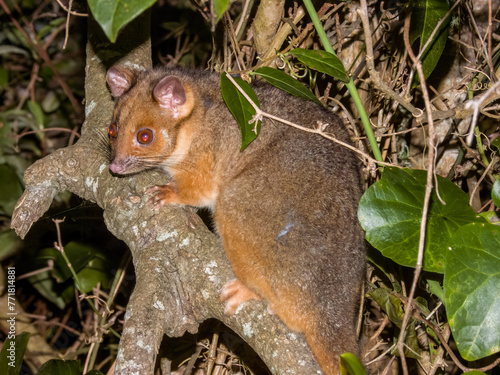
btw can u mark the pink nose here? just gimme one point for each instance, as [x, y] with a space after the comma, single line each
[118, 166]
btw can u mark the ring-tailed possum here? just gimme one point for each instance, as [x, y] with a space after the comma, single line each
[285, 207]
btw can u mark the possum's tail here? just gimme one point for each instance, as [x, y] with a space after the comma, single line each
[327, 345]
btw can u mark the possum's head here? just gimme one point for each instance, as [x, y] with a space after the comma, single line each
[146, 130]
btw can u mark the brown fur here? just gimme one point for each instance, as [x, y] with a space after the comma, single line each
[285, 207]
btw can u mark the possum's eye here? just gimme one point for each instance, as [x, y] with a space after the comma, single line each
[113, 130]
[145, 136]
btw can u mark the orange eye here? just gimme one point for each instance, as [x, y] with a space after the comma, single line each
[145, 136]
[113, 130]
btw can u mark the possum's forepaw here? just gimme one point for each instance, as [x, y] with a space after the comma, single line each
[234, 293]
[162, 195]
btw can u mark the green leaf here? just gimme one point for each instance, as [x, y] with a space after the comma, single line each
[412, 348]
[47, 29]
[286, 83]
[57, 293]
[390, 212]
[322, 61]
[436, 289]
[94, 273]
[12, 354]
[426, 14]
[386, 266]
[4, 77]
[351, 365]
[495, 193]
[78, 254]
[496, 142]
[472, 290]
[60, 367]
[388, 302]
[10, 243]
[241, 108]
[58, 286]
[36, 110]
[10, 189]
[113, 15]
[393, 307]
[220, 7]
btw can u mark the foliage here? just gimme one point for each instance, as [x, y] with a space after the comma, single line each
[391, 211]
[241, 108]
[113, 15]
[459, 243]
[12, 353]
[425, 16]
[41, 88]
[471, 285]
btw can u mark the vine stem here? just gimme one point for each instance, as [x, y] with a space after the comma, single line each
[350, 85]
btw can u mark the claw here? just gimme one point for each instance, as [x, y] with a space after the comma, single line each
[162, 195]
[234, 293]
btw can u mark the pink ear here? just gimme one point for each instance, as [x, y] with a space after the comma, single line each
[170, 93]
[119, 80]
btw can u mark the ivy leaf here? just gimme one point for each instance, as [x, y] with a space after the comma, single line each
[426, 14]
[472, 290]
[241, 108]
[113, 15]
[390, 212]
[322, 61]
[286, 83]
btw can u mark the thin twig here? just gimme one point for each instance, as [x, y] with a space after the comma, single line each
[443, 341]
[436, 29]
[245, 14]
[476, 105]
[374, 76]
[72, 12]
[260, 114]
[485, 173]
[483, 49]
[428, 191]
[66, 34]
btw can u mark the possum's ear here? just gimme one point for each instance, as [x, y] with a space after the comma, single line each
[173, 95]
[120, 80]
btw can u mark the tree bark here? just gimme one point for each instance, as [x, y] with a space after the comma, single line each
[180, 265]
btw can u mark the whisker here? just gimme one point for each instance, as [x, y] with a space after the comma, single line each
[102, 142]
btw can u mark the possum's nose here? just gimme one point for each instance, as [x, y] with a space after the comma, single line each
[119, 166]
